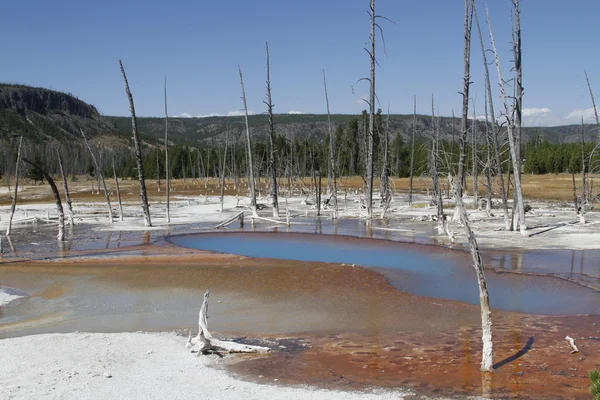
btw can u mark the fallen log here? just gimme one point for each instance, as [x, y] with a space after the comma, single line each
[208, 344]
[239, 216]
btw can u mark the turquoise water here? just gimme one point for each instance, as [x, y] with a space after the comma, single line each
[417, 269]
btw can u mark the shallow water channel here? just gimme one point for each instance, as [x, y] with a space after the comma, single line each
[418, 269]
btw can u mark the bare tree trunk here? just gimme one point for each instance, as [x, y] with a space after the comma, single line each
[100, 177]
[332, 173]
[157, 162]
[475, 159]
[484, 299]
[118, 190]
[511, 138]
[488, 170]
[13, 206]
[386, 194]
[167, 167]
[272, 158]
[462, 141]
[490, 100]
[249, 148]
[437, 190]
[59, 208]
[518, 106]
[412, 153]
[584, 197]
[318, 191]
[138, 151]
[371, 116]
[223, 170]
[65, 187]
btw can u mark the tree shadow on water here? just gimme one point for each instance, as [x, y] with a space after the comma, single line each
[517, 355]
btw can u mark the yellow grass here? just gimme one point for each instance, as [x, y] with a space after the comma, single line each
[558, 187]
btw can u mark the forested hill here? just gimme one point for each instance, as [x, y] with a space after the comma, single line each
[41, 115]
[211, 130]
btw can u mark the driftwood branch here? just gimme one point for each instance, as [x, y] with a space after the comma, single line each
[208, 344]
[572, 343]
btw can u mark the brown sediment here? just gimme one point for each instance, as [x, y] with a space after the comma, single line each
[361, 331]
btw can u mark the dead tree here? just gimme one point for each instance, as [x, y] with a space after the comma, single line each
[138, 151]
[412, 153]
[223, 168]
[488, 166]
[475, 160]
[331, 174]
[584, 196]
[518, 99]
[272, 158]
[100, 177]
[249, 149]
[59, 208]
[484, 299]
[13, 205]
[65, 187]
[371, 115]
[386, 193]
[511, 138]
[437, 190]
[167, 177]
[495, 126]
[462, 140]
[118, 190]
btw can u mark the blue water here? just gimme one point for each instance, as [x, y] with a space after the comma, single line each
[417, 269]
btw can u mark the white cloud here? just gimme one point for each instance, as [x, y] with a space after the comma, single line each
[296, 112]
[534, 111]
[576, 115]
[229, 114]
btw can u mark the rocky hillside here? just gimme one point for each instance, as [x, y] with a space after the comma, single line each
[40, 115]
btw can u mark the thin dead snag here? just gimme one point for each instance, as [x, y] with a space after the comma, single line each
[208, 344]
[437, 191]
[484, 299]
[518, 100]
[331, 173]
[138, 151]
[65, 187]
[118, 190]
[412, 154]
[59, 208]
[511, 136]
[223, 168]
[475, 160]
[584, 196]
[495, 126]
[272, 158]
[167, 178]
[462, 139]
[100, 177]
[371, 133]
[13, 205]
[249, 150]
[386, 193]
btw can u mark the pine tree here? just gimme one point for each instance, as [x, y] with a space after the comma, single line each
[594, 375]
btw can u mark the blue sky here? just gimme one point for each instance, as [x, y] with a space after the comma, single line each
[74, 46]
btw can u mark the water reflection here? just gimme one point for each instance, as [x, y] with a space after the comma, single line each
[417, 269]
